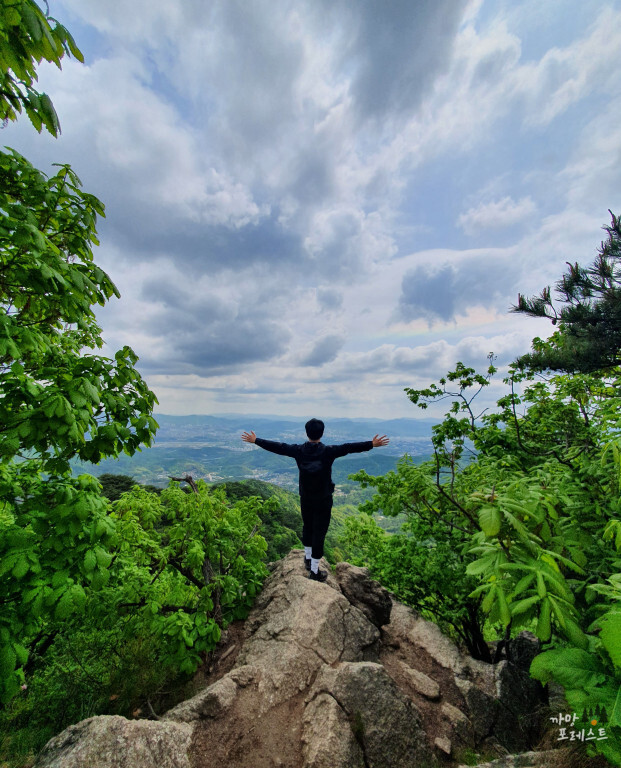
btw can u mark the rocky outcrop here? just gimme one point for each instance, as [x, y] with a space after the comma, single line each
[549, 758]
[364, 592]
[110, 741]
[329, 675]
[385, 723]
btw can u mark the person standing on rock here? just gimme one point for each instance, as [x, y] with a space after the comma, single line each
[314, 460]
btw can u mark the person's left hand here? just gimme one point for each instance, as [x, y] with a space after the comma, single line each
[379, 441]
[249, 437]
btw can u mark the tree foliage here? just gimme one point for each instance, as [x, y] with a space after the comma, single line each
[281, 523]
[531, 492]
[114, 486]
[58, 398]
[423, 565]
[589, 321]
[187, 563]
[435, 539]
[27, 37]
[178, 569]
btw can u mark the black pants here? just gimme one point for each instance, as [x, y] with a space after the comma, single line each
[316, 519]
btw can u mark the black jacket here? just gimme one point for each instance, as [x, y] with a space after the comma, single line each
[314, 461]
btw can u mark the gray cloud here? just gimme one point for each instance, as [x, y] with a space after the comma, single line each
[203, 177]
[262, 161]
[258, 66]
[229, 346]
[217, 347]
[428, 294]
[201, 248]
[399, 48]
[329, 299]
[323, 351]
[444, 293]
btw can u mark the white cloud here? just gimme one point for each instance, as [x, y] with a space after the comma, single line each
[293, 182]
[496, 215]
[564, 76]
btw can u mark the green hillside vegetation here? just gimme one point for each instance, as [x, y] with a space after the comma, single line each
[114, 486]
[179, 568]
[282, 527]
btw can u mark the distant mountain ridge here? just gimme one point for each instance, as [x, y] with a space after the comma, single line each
[272, 426]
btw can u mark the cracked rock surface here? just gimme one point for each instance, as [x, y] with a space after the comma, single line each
[323, 675]
[110, 741]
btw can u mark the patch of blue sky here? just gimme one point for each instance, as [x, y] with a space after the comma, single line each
[93, 44]
[171, 91]
[538, 23]
[431, 204]
[516, 162]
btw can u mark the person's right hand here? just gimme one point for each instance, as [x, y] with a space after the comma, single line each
[249, 437]
[379, 441]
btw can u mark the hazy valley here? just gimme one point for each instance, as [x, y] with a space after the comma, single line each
[210, 447]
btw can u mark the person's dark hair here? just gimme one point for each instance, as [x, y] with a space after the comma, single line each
[314, 429]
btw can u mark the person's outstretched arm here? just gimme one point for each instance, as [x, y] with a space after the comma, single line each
[366, 445]
[282, 449]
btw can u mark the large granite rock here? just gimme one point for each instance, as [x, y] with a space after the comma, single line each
[364, 592]
[110, 741]
[299, 626]
[501, 701]
[329, 675]
[385, 723]
[328, 738]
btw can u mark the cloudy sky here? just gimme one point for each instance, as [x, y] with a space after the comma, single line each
[312, 204]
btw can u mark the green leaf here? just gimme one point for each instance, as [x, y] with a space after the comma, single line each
[103, 558]
[21, 654]
[60, 578]
[32, 22]
[78, 597]
[523, 584]
[486, 606]
[575, 634]
[505, 613]
[490, 520]
[12, 17]
[477, 567]
[523, 605]
[570, 667]
[544, 629]
[541, 587]
[90, 561]
[64, 607]
[560, 614]
[21, 567]
[74, 48]
[611, 636]
[8, 657]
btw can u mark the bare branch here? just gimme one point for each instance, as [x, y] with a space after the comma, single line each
[187, 479]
